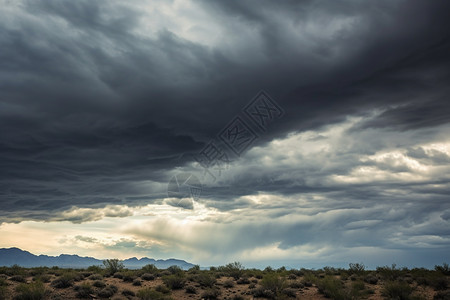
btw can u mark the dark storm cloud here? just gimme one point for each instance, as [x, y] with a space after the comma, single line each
[93, 112]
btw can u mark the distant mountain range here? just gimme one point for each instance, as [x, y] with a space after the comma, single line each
[12, 256]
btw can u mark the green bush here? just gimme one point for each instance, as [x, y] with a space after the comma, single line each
[64, 281]
[152, 269]
[127, 292]
[274, 283]
[211, 294]
[18, 278]
[95, 277]
[95, 269]
[444, 269]
[99, 284]
[234, 270]
[43, 277]
[148, 276]
[137, 282]
[149, 294]
[332, 288]
[175, 269]
[205, 279]
[389, 273]
[33, 291]
[191, 289]
[113, 265]
[3, 292]
[397, 290]
[108, 291]
[228, 284]
[162, 289]
[83, 290]
[174, 282]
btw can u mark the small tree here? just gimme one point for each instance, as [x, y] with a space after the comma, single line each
[113, 265]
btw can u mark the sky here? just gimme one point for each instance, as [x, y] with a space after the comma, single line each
[298, 133]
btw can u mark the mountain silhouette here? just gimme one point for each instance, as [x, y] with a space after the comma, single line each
[16, 256]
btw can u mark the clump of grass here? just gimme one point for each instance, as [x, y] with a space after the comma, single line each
[205, 279]
[95, 277]
[99, 284]
[137, 282]
[174, 282]
[33, 291]
[18, 278]
[64, 281]
[148, 276]
[127, 292]
[332, 288]
[108, 291]
[162, 289]
[83, 290]
[211, 294]
[43, 277]
[397, 290]
[149, 294]
[191, 289]
[274, 283]
[228, 283]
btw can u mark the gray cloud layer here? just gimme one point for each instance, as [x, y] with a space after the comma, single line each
[99, 104]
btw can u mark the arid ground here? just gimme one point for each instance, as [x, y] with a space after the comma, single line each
[227, 282]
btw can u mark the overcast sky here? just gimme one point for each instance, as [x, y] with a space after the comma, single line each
[313, 133]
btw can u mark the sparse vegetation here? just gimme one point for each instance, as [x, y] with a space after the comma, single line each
[32, 291]
[223, 282]
[112, 265]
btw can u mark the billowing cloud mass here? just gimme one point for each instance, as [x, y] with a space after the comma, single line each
[104, 105]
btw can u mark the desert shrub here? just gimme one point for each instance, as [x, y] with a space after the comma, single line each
[444, 269]
[95, 269]
[356, 268]
[15, 270]
[37, 271]
[128, 276]
[107, 291]
[243, 280]
[442, 295]
[289, 292]
[148, 276]
[128, 292]
[210, 294]
[389, 273]
[18, 278]
[3, 281]
[397, 290]
[99, 283]
[63, 281]
[273, 282]
[292, 276]
[228, 284]
[234, 270]
[118, 275]
[174, 282]
[43, 277]
[3, 292]
[191, 289]
[296, 285]
[332, 288]
[149, 294]
[113, 265]
[439, 283]
[205, 279]
[137, 282]
[252, 285]
[260, 292]
[174, 269]
[162, 289]
[308, 279]
[95, 277]
[151, 268]
[83, 290]
[32, 291]
[194, 270]
[371, 279]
